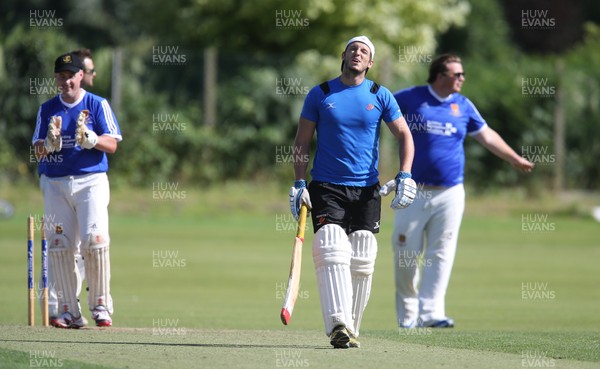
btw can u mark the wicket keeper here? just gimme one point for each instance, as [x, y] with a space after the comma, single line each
[73, 133]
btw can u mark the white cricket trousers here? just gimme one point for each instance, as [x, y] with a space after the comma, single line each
[424, 242]
[79, 204]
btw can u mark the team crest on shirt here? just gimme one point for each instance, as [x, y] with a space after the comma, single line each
[370, 107]
[455, 110]
[88, 118]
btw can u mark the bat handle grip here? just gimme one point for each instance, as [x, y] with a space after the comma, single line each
[302, 221]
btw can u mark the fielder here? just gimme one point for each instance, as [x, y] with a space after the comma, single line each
[346, 113]
[89, 71]
[73, 133]
[439, 118]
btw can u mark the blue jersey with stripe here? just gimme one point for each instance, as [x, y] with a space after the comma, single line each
[348, 121]
[72, 159]
[439, 127]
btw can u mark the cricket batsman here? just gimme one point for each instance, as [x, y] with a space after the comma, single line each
[74, 131]
[346, 113]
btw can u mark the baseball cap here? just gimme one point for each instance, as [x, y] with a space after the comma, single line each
[68, 62]
[365, 40]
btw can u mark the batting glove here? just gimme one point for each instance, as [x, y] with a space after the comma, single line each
[85, 137]
[406, 190]
[53, 141]
[298, 196]
[387, 188]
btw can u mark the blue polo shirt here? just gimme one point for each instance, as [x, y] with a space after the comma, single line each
[348, 121]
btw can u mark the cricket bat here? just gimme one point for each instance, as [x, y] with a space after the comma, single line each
[293, 286]
[30, 274]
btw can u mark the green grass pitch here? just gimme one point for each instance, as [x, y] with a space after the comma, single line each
[198, 282]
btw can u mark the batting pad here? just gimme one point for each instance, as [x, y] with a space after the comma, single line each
[362, 266]
[81, 269]
[65, 274]
[331, 255]
[52, 296]
[97, 271]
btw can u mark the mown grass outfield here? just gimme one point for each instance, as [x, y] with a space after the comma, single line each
[198, 282]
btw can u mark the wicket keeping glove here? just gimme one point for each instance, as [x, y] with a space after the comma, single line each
[406, 190]
[298, 196]
[85, 137]
[53, 141]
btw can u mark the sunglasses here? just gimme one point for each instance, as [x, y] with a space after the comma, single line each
[91, 71]
[456, 75]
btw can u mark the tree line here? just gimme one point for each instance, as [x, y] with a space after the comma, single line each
[269, 53]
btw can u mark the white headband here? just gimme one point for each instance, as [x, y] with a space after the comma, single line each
[365, 40]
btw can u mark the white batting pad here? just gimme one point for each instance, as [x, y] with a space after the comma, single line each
[65, 274]
[362, 266]
[52, 296]
[331, 255]
[81, 268]
[97, 269]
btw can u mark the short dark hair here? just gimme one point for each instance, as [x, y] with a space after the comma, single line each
[438, 65]
[83, 53]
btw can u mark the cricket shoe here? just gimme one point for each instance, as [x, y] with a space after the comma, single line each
[67, 320]
[342, 338]
[101, 316]
[410, 324]
[441, 323]
[353, 343]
